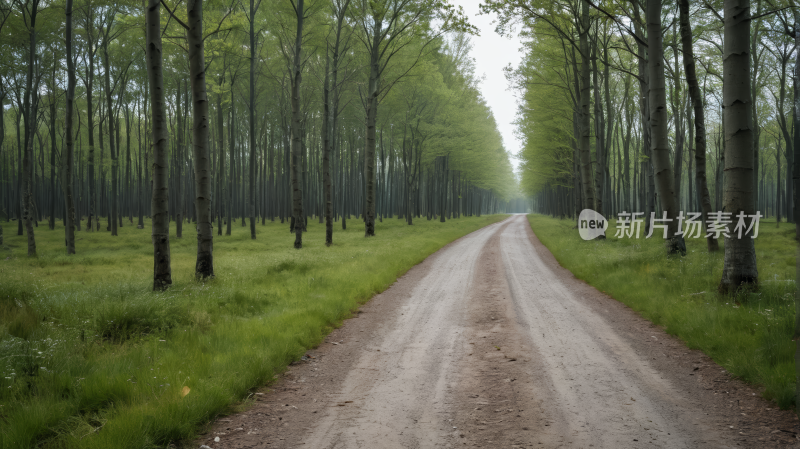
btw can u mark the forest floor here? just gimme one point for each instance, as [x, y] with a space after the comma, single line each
[90, 357]
[491, 343]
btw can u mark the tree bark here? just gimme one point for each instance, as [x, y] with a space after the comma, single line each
[30, 107]
[179, 148]
[204, 268]
[701, 183]
[370, 137]
[326, 155]
[252, 105]
[112, 141]
[739, 269]
[297, 184]
[659, 127]
[221, 157]
[162, 271]
[584, 114]
[67, 157]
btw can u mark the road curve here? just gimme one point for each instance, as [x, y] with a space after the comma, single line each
[489, 343]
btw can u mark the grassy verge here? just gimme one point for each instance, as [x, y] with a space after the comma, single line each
[749, 335]
[91, 358]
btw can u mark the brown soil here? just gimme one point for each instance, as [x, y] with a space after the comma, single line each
[490, 343]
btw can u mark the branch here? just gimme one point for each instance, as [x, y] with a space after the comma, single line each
[180, 22]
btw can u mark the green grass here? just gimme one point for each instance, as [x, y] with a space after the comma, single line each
[749, 334]
[91, 358]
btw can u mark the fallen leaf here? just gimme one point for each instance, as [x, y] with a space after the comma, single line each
[184, 391]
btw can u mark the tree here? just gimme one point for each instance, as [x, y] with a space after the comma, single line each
[296, 127]
[739, 269]
[67, 158]
[30, 109]
[331, 92]
[699, 117]
[387, 27]
[204, 268]
[252, 106]
[659, 126]
[162, 271]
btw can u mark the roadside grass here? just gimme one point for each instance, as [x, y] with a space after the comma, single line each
[749, 334]
[91, 358]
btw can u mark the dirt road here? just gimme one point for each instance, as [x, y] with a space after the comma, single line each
[489, 343]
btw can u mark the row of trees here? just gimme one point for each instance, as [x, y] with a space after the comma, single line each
[224, 111]
[661, 106]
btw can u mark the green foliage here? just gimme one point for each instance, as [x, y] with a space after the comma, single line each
[750, 335]
[545, 116]
[102, 359]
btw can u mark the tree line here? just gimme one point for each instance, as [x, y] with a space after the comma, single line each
[223, 113]
[661, 106]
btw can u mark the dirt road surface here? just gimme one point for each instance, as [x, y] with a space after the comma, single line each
[490, 343]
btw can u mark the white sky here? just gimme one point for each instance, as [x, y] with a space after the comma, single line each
[493, 52]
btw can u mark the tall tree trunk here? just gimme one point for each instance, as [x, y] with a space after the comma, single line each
[221, 157]
[584, 116]
[701, 183]
[659, 127]
[252, 199]
[680, 127]
[232, 164]
[52, 212]
[599, 129]
[179, 148]
[128, 184]
[370, 137]
[67, 156]
[204, 268]
[92, 193]
[739, 268]
[297, 184]
[162, 271]
[30, 113]
[326, 156]
[112, 141]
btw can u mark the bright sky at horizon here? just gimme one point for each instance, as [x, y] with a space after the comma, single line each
[492, 53]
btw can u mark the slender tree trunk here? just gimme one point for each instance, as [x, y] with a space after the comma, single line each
[221, 157]
[204, 268]
[231, 177]
[739, 268]
[67, 158]
[659, 127]
[91, 191]
[599, 128]
[30, 112]
[701, 183]
[326, 157]
[52, 203]
[162, 271]
[112, 141]
[179, 148]
[370, 137]
[297, 185]
[252, 208]
[584, 115]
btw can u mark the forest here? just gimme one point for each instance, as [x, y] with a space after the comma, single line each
[319, 150]
[625, 106]
[610, 106]
[229, 113]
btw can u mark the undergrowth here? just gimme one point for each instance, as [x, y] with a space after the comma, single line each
[90, 357]
[748, 334]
